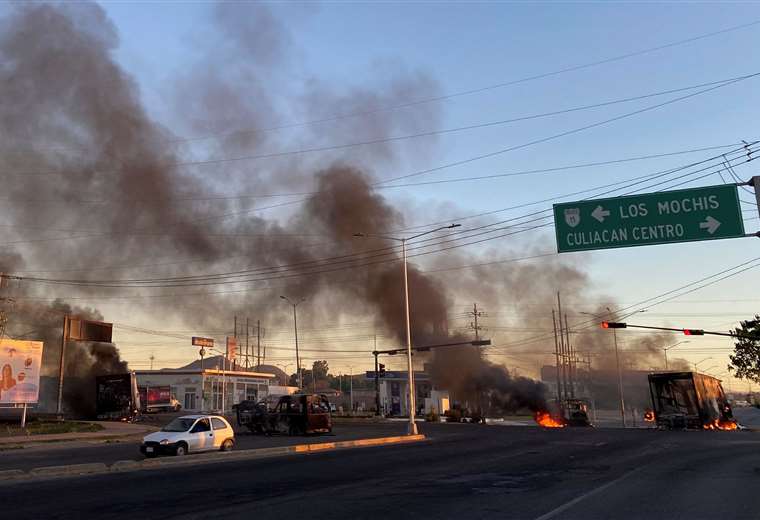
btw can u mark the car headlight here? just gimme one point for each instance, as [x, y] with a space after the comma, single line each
[164, 442]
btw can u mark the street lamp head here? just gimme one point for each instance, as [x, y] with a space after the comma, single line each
[454, 226]
[283, 297]
[359, 234]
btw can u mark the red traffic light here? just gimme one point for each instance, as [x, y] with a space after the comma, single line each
[694, 332]
[613, 325]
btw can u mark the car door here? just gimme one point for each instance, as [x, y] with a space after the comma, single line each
[201, 436]
[222, 431]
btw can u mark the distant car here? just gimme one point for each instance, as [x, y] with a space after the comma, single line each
[189, 434]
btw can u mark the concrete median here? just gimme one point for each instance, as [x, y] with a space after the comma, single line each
[69, 470]
[123, 466]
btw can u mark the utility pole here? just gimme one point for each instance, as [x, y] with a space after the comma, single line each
[152, 357]
[474, 324]
[247, 329]
[377, 379]
[556, 355]
[64, 337]
[295, 329]
[571, 359]
[258, 343]
[562, 348]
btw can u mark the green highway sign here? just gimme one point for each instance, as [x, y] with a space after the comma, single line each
[686, 215]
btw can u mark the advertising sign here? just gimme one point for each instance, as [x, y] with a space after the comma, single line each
[231, 348]
[155, 396]
[708, 213]
[203, 342]
[20, 363]
[88, 330]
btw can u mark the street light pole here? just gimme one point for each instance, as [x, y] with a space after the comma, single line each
[700, 362]
[351, 387]
[412, 394]
[619, 370]
[620, 378]
[665, 350]
[295, 331]
[412, 429]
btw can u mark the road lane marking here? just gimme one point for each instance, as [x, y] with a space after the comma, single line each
[567, 505]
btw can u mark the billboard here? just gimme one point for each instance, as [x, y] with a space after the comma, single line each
[203, 342]
[155, 396]
[20, 363]
[88, 330]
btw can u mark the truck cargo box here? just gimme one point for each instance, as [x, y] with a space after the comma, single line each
[689, 400]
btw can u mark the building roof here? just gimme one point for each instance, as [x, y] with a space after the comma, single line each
[208, 372]
[215, 365]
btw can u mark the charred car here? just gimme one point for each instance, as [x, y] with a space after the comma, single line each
[298, 414]
[575, 412]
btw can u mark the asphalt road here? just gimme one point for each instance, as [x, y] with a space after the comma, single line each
[57, 454]
[464, 471]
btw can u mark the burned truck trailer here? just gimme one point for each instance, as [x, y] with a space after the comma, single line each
[117, 397]
[689, 400]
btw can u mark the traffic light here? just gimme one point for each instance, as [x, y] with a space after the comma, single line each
[381, 370]
[694, 332]
[613, 325]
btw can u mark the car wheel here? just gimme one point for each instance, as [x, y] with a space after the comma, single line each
[227, 445]
[181, 449]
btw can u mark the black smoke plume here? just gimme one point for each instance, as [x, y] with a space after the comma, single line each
[97, 189]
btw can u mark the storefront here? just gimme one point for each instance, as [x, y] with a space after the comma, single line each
[208, 390]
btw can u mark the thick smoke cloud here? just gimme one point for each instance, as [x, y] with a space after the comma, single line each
[91, 180]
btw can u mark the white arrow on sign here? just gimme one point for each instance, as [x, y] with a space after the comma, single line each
[599, 213]
[710, 224]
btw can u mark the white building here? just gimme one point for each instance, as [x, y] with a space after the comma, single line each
[208, 389]
[394, 393]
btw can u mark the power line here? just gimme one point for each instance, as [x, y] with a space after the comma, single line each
[430, 133]
[478, 90]
[568, 132]
[202, 279]
[496, 153]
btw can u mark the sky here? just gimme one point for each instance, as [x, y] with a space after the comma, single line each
[469, 46]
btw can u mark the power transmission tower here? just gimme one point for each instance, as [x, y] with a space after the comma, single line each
[475, 314]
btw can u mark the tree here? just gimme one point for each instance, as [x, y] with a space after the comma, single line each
[320, 369]
[745, 361]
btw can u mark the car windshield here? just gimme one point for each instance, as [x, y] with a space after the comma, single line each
[180, 424]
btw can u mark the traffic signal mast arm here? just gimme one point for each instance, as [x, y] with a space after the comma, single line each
[687, 332]
[478, 343]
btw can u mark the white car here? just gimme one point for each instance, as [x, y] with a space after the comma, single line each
[190, 433]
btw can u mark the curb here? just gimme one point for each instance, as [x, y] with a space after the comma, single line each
[35, 441]
[72, 469]
[123, 466]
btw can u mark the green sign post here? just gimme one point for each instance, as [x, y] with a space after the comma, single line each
[707, 213]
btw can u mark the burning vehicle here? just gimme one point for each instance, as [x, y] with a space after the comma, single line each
[117, 397]
[576, 412]
[689, 400]
[298, 414]
[569, 412]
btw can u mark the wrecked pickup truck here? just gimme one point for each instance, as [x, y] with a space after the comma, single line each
[689, 400]
[297, 414]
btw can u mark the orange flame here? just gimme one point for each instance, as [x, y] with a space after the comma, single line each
[547, 421]
[717, 424]
[649, 416]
